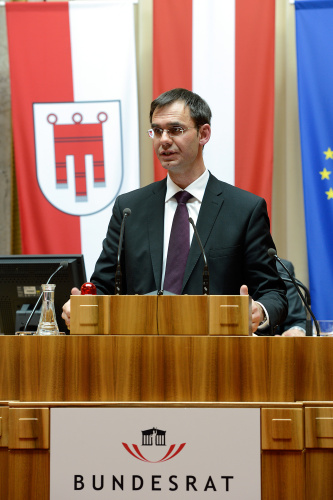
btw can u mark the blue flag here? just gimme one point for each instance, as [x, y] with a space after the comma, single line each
[314, 43]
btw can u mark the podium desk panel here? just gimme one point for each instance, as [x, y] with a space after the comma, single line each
[165, 368]
[313, 368]
[9, 367]
[156, 368]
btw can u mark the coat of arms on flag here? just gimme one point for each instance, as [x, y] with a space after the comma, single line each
[79, 157]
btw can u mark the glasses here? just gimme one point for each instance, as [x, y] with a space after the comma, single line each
[175, 131]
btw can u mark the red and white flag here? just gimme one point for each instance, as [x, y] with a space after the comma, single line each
[75, 120]
[224, 51]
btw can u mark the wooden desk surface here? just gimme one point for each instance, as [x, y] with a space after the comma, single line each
[166, 368]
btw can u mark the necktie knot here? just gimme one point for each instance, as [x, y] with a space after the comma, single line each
[182, 197]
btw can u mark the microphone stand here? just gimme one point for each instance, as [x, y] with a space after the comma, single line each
[205, 274]
[308, 328]
[118, 275]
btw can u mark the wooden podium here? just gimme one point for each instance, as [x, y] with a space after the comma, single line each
[226, 315]
[289, 379]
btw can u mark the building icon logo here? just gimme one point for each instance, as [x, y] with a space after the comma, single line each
[79, 154]
[154, 437]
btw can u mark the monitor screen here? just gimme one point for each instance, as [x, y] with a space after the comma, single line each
[21, 277]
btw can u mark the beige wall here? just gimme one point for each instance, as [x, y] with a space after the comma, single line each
[288, 227]
[287, 216]
[5, 144]
[144, 23]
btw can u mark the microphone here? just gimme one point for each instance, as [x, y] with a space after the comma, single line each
[118, 276]
[273, 255]
[205, 274]
[63, 265]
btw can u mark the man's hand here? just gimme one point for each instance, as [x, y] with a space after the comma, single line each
[257, 311]
[293, 332]
[66, 308]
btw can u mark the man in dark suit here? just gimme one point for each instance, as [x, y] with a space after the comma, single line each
[233, 224]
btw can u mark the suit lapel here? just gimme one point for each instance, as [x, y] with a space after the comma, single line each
[156, 229]
[210, 208]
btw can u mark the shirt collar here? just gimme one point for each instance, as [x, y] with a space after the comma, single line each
[197, 188]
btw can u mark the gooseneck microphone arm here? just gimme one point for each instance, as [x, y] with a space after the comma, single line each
[301, 285]
[205, 274]
[63, 265]
[308, 327]
[118, 276]
[273, 255]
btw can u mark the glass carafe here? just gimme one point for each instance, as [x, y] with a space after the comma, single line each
[48, 322]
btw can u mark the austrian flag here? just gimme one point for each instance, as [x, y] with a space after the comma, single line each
[224, 51]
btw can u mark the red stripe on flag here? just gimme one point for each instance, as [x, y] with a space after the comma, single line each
[254, 107]
[40, 71]
[172, 51]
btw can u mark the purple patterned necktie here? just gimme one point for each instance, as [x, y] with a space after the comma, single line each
[179, 246]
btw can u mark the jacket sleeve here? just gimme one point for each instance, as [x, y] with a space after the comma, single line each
[104, 274]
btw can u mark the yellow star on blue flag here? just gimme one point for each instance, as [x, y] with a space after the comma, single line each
[329, 194]
[328, 153]
[314, 46]
[325, 174]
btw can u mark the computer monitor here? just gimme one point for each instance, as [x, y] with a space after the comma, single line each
[21, 277]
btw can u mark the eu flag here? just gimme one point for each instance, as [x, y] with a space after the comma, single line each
[314, 43]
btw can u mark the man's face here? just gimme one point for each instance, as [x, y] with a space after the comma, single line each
[176, 154]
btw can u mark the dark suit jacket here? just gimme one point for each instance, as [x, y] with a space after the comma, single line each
[234, 228]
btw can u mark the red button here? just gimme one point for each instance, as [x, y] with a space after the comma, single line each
[88, 289]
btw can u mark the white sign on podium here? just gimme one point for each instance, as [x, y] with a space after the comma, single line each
[155, 453]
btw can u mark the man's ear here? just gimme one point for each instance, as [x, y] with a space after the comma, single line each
[204, 134]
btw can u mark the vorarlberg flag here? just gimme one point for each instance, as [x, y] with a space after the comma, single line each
[75, 120]
[314, 39]
[224, 51]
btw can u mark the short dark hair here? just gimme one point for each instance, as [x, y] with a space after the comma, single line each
[199, 110]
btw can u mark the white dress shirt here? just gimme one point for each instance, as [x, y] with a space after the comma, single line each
[197, 190]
